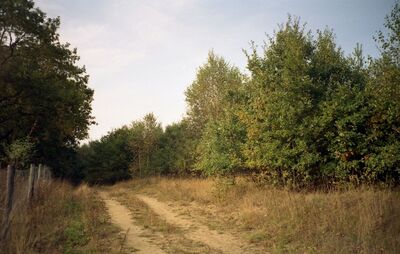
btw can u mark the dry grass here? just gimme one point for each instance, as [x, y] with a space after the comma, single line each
[170, 237]
[62, 219]
[356, 220]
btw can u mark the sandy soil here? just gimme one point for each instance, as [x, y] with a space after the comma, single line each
[196, 231]
[135, 242]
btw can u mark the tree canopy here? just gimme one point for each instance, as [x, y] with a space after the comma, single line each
[43, 92]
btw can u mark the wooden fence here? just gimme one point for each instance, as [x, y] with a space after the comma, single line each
[30, 180]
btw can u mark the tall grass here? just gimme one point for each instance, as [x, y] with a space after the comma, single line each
[61, 219]
[352, 220]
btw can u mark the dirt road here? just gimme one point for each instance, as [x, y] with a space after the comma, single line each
[141, 240]
[134, 241]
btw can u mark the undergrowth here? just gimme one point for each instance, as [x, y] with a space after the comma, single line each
[61, 219]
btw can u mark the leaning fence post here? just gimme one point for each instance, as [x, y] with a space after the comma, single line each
[31, 183]
[9, 201]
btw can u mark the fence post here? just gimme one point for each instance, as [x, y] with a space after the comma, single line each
[40, 172]
[31, 183]
[9, 201]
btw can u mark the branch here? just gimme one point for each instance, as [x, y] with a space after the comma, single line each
[12, 45]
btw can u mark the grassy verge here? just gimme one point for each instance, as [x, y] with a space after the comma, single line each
[62, 219]
[355, 220]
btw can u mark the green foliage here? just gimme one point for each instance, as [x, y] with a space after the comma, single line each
[309, 114]
[176, 146]
[144, 143]
[121, 153]
[306, 115]
[43, 93]
[383, 87]
[107, 160]
[74, 236]
[220, 147]
[212, 99]
[281, 104]
[206, 96]
[20, 151]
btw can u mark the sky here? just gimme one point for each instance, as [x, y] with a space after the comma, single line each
[142, 55]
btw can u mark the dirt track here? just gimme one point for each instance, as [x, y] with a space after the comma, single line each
[134, 239]
[139, 240]
[195, 230]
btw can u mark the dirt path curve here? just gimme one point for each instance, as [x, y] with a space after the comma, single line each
[195, 230]
[121, 216]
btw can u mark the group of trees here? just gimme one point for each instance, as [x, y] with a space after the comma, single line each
[305, 114]
[143, 148]
[44, 98]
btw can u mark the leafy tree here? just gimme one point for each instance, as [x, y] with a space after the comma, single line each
[209, 98]
[206, 97]
[43, 93]
[281, 104]
[107, 160]
[144, 143]
[383, 162]
[174, 154]
[221, 146]
[307, 108]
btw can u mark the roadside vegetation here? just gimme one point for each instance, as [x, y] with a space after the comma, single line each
[61, 219]
[276, 220]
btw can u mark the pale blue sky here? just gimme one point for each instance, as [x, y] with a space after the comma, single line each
[141, 55]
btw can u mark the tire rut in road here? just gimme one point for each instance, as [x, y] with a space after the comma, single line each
[195, 230]
[121, 217]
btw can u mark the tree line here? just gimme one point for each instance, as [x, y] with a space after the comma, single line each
[304, 113]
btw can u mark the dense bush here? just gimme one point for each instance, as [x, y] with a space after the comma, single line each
[107, 160]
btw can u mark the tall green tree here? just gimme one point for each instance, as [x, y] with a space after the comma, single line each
[208, 99]
[383, 161]
[43, 92]
[206, 96]
[304, 95]
[144, 142]
[281, 104]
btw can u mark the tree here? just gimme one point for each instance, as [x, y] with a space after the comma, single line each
[144, 143]
[175, 152]
[281, 104]
[306, 113]
[43, 93]
[107, 160]
[383, 162]
[208, 98]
